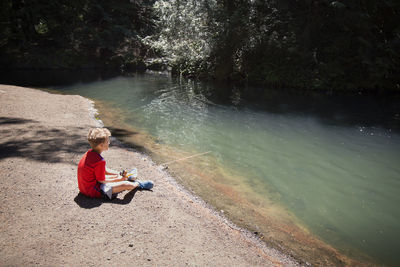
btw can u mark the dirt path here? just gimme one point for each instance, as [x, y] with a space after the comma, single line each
[46, 222]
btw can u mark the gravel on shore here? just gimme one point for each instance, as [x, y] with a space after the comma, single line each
[46, 222]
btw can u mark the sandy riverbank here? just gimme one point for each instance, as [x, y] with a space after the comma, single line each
[46, 222]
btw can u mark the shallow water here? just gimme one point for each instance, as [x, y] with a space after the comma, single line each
[332, 169]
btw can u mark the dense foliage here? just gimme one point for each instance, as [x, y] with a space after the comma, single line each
[303, 43]
[283, 43]
[73, 33]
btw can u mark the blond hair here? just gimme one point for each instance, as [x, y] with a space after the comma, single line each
[97, 136]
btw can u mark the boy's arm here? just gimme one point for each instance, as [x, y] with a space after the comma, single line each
[111, 172]
[101, 174]
[117, 178]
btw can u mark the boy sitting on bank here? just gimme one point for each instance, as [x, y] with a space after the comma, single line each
[92, 171]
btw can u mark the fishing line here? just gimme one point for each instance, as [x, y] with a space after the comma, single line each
[170, 162]
[185, 158]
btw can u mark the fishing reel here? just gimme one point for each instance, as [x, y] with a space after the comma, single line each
[123, 173]
[131, 175]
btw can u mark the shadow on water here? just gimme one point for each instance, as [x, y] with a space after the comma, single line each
[119, 132]
[339, 110]
[125, 135]
[36, 142]
[43, 78]
[365, 109]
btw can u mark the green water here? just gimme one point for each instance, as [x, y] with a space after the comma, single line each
[339, 175]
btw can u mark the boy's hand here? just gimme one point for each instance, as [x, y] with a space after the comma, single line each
[122, 178]
[123, 173]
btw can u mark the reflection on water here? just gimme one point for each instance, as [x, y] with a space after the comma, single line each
[326, 163]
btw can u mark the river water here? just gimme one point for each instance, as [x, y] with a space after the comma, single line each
[294, 169]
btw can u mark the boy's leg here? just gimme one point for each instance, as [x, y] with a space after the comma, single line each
[125, 186]
[113, 188]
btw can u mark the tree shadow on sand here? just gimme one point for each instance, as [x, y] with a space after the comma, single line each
[32, 140]
[29, 139]
[90, 203]
[8, 120]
